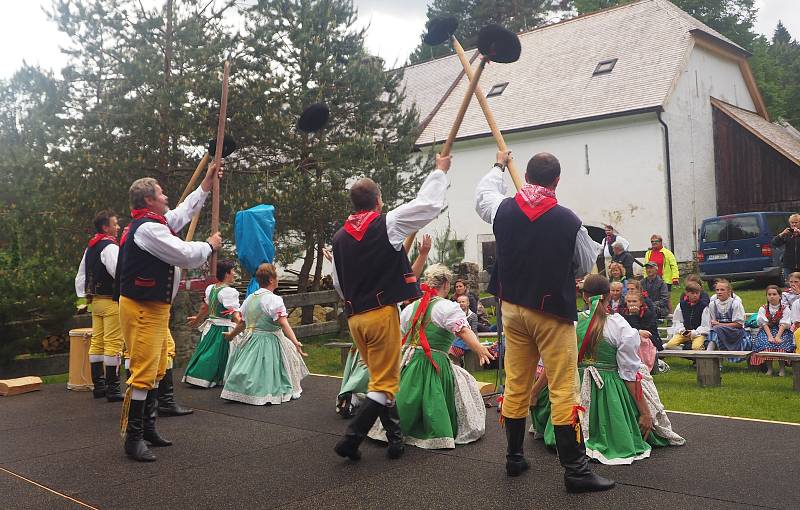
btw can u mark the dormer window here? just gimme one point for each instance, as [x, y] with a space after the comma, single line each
[498, 89]
[604, 67]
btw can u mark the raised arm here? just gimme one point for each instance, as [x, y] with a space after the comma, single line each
[424, 249]
[157, 240]
[491, 190]
[414, 215]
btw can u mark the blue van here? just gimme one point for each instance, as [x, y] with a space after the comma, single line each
[737, 247]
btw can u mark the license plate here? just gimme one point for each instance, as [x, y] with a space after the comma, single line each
[718, 256]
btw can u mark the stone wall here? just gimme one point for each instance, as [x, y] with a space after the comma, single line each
[469, 272]
[186, 304]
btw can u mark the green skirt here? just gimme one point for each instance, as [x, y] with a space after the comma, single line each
[256, 373]
[356, 375]
[206, 367]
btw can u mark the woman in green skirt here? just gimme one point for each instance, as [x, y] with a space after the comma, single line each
[219, 313]
[268, 365]
[439, 403]
[623, 416]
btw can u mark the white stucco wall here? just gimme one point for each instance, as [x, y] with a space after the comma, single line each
[625, 184]
[688, 115]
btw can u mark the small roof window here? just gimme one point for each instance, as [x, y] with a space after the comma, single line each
[498, 89]
[605, 66]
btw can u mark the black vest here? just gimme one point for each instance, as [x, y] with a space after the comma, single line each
[98, 280]
[140, 275]
[534, 265]
[692, 314]
[371, 272]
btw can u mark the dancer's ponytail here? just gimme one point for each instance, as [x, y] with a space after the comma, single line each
[598, 288]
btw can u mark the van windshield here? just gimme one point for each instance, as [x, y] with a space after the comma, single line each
[731, 229]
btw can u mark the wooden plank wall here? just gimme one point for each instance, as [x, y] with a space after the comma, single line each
[751, 175]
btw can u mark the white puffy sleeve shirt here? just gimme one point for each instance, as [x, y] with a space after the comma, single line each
[621, 335]
[227, 296]
[445, 313]
[677, 323]
[271, 304]
[157, 240]
[491, 192]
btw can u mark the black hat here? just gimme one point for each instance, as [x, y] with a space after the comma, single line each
[440, 29]
[228, 146]
[313, 118]
[498, 44]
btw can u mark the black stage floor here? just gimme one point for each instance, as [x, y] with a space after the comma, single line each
[60, 449]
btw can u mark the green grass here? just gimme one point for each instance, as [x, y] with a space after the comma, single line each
[751, 294]
[55, 379]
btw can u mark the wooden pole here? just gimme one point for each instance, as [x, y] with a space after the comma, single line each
[479, 95]
[193, 179]
[192, 228]
[223, 111]
[448, 145]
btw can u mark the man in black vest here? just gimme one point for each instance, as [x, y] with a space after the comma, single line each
[95, 281]
[541, 248]
[148, 274]
[372, 274]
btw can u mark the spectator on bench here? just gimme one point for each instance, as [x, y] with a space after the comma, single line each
[690, 320]
[458, 346]
[727, 320]
[704, 297]
[641, 317]
[792, 294]
[623, 256]
[616, 298]
[460, 289]
[616, 273]
[774, 335]
[656, 290]
[636, 286]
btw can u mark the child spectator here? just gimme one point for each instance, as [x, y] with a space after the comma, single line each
[458, 346]
[690, 320]
[790, 296]
[704, 297]
[656, 290]
[616, 298]
[774, 335]
[727, 320]
[616, 273]
[641, 317]
[636, 286]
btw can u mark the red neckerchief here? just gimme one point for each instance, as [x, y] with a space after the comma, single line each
[535, 200]
[356, 224]
[773, 319]
[416, 322]
[101, 237]
[144, 213]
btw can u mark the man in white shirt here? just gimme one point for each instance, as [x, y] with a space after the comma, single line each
[95, 282]
[372, 273]
[148, 275]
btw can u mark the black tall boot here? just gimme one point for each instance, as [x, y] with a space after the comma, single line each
[515, 437]
[357, 430]
[166, 398]
[135, 446]
[113, 393]
[394, 436]
[572, 454]
[98, 379]
[150, 432]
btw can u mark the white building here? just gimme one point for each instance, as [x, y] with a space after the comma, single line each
[622, 97]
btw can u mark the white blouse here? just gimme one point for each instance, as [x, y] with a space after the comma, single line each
[445, 313]
[786, 318]
[732, 306]
[621, 335]
[789, 298]
[796, 311]
[227, 296]
[271, 304]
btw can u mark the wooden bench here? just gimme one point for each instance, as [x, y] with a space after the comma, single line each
[791, 358]
[344, 348]
[709, 373]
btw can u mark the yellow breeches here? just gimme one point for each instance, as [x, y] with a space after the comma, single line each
[106, 334]
[678, 340]
[797, 340]
[376, 334]
[529, 335]
[145, 328]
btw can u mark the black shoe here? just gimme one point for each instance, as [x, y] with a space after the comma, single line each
[572, 454]
[150, 433]
[113, 393]
[394, 436]
[344, 405]
[98, 379]
[166, 398]
[515, 437]
[357, 430]
[135, 446]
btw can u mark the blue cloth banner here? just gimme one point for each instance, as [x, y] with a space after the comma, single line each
[253, 231]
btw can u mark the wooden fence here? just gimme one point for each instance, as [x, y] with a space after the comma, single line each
[324, 297]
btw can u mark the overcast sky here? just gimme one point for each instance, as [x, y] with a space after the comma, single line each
[394, 29]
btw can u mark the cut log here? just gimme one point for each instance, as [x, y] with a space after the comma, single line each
[9, 387]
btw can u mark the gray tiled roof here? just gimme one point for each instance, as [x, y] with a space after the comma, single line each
[779, 137]
[552, 82]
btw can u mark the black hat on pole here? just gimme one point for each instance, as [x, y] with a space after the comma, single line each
[313, 118]
[228, 146]
[440, 29]
[499, 44]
